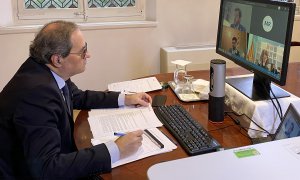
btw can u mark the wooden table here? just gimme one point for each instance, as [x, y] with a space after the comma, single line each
[228, 134]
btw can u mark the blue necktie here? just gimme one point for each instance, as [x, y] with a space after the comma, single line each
[66, 93]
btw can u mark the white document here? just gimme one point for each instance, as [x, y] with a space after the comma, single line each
[104, 122]
[147, 149]
[138, 85]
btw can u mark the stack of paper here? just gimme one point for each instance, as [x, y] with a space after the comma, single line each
[104, 122]
[138, 85]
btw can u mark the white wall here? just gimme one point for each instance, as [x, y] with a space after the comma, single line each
[5, 12]
[124, 54]
[295, 51]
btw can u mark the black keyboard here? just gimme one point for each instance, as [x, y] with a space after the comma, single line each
[190, 134]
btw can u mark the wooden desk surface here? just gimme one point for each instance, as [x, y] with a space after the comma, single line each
[229, 137]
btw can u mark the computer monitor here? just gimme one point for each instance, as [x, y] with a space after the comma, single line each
[256, 34]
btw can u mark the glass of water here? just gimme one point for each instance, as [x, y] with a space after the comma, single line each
[179, 74]
[188, 85]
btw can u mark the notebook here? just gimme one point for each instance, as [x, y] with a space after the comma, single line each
[289, 127]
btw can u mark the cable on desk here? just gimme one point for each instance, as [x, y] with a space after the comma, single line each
[242, 127]
[221, 128]
[238, 122]
[246, 135]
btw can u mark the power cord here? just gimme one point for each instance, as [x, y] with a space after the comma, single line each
[281, 114]
[246, 135]
[221, 128]
[266, 90]
[237, 122]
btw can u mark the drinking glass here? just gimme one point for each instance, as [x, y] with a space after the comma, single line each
[188, 86]
[179, 74]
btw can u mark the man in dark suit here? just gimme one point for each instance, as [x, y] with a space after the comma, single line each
[233, 50]
[36, 119]
[237, 20]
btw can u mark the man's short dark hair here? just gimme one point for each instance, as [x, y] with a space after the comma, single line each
[53, 38]
[234, 39]
[239, 10]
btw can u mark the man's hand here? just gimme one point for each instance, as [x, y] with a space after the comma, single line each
[129, 143]
[139, 99]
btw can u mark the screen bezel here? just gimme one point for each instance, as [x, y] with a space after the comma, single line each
[287, 44]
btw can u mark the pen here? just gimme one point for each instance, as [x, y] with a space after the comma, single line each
[153, 139]
[119, 134]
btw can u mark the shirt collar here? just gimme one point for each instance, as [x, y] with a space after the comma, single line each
[60, 81]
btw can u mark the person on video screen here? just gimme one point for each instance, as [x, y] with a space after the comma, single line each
[237, 20]
[264, 59]
[273, 69]
[233, 50]
[288, 129]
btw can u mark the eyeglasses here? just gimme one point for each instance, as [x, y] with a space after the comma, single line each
[83, 52]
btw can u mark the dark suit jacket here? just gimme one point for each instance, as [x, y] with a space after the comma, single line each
[36, 130]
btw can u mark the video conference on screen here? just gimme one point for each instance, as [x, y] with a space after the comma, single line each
[254, 35]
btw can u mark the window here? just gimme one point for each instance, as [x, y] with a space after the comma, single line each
[32, 11]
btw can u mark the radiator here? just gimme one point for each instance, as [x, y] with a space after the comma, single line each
[200, 57]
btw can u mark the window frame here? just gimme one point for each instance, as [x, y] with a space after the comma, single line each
[80, 14]
[136, 12]
[38, 14]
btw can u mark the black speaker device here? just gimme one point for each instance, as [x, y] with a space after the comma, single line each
[217, 91]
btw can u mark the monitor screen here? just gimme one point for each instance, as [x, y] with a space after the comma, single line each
[256, 34]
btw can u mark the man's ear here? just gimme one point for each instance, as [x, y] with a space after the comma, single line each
[56, 60]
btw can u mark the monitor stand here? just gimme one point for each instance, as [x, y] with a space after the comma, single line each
[257, 88]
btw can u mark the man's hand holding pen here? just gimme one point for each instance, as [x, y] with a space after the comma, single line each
[134, 141]
[129, 143]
